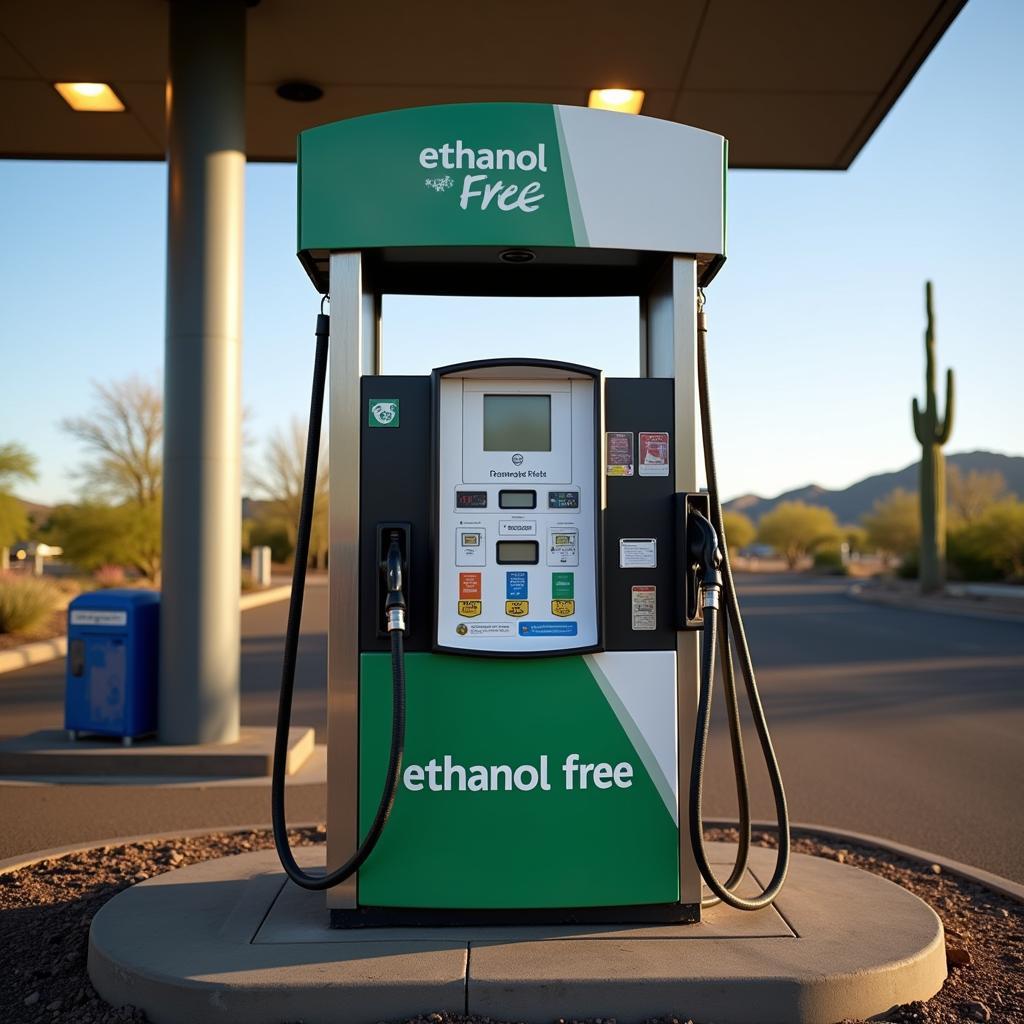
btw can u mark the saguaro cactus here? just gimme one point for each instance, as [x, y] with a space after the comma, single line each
[932, 432]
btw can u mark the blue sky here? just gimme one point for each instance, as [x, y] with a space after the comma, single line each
[816, 319]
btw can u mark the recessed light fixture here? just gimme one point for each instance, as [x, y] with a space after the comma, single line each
[92, 97]
[625, 101]
[299, 92]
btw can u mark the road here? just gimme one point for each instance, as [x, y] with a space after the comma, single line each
[901, 723]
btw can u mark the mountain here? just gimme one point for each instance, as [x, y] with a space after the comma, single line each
[850, 504]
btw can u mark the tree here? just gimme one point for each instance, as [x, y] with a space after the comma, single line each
[124, 432]
[998, 537]
[795, 529]
[739, 530]
[122, 485]
[856, 537]
[894, 524]
[281, 483]
[15, 464]
[969, 497]
[94, 534]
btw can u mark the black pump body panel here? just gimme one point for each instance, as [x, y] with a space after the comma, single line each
[640, 506]
[396, 486]
[395, 482]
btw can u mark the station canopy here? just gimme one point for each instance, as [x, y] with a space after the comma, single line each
[791, 83]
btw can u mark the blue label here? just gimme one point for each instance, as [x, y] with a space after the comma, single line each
[515, 586]
[547, 628]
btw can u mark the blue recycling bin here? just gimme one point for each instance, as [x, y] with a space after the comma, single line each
[111, 679]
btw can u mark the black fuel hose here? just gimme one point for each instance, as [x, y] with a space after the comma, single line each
[731, 622]
[291, 645]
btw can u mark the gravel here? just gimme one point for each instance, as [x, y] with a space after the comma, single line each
[47, 907]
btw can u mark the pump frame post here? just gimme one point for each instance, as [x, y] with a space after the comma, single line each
[355, 353]
[668, 348]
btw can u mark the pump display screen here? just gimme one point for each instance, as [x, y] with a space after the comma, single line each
[517, 423]
[517, 499]
[518, 552]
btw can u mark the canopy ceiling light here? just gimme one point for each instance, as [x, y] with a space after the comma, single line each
[93, 97]
[625, 101]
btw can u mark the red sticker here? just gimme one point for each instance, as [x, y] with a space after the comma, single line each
[653, 453]
[469, 586]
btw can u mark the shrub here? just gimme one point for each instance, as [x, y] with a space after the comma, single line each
[274, 534]
[830, 560]
[908, 567]
[24, 602]
[993, 546]
[109, 576]
[795, 529]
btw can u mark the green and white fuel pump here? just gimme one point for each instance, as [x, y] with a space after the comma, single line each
[524, 579]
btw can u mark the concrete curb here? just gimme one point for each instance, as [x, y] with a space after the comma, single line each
[57, 647]
[1003, 886]
[258, 598]
[33, 654]
[965, 608]
[26, 860]
[237, 945]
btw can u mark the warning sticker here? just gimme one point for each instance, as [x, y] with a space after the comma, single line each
[638, 553]
[485, 628]
[469, 586]
[470, 609]
[618, 449]
[517, 609]
[653, 453]
[516, 585]
[547, 628]
[645, 607]
[563, 609]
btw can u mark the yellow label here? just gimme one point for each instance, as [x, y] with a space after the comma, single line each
[517, 609]
[563, 608]
[470, 609]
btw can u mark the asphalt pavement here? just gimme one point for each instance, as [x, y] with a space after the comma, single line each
[902, 723]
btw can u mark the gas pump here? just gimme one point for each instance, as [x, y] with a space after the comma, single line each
[528, 592]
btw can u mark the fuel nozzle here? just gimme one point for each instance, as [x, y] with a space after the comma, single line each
[705, 556]
[394, 603]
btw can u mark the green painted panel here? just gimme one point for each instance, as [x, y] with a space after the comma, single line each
[381, 180]
[513, 848]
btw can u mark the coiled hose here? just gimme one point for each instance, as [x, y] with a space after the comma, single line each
[731, 622]
[291, 645]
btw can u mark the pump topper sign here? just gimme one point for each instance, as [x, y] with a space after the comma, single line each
[512, 174]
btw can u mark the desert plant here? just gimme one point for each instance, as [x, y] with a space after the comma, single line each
[25, 602]
[795, 529]
[932, 432]
[894, 524]
[994, 545]
[969, 496]
[739, 530]
[830, 560]
[109, 576]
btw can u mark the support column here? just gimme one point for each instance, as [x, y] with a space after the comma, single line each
[199, 649]
[668, 348]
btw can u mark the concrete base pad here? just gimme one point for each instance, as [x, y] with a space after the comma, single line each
[229, 940]
[51, 752]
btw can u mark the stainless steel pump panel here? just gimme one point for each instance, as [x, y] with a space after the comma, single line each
[518, 501]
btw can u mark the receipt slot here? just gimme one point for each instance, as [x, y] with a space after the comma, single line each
[513, 692]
